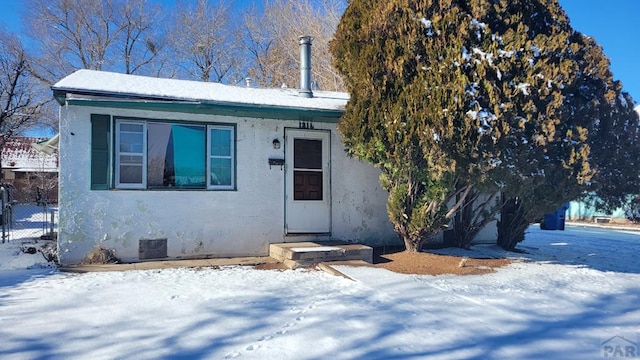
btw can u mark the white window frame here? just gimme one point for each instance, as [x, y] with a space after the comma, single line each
[232, 152]
[143, 184]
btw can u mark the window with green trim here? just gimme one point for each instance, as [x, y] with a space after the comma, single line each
[220, 152]
[159, 155]
[130, 160]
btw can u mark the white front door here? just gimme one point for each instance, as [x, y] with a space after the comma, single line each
[307, 185]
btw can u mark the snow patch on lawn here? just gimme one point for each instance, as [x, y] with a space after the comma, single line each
[555, 301]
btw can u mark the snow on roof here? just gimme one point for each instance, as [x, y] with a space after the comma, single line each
[18, 155]
[92, 82]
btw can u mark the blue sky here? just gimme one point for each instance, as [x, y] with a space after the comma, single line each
[613, 23]
[615, 26]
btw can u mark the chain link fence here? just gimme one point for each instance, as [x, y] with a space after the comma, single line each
[27, 214]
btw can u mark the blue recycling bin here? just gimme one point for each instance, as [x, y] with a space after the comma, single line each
[555, 220]
[560, 217]
[549, 221]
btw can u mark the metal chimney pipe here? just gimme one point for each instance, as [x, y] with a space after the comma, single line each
[305, 67]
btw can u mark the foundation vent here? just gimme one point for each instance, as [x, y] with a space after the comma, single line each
[152, 249]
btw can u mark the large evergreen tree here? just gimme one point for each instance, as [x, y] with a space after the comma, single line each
[451, 97]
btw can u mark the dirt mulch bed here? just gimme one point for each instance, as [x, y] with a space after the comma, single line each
[421, 263]
[424, 263]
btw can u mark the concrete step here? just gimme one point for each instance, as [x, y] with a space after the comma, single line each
[305, 254]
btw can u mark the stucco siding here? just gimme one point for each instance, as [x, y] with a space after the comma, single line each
[242, 222]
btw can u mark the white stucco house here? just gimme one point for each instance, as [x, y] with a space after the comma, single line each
[165, 168]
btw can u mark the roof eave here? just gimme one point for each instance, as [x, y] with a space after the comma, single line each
[198, 107]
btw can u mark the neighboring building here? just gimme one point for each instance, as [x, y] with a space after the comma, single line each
[182, 168]
[33, 174]
[586, 211]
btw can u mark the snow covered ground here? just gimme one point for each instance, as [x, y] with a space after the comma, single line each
[576, 295]
[30, 221]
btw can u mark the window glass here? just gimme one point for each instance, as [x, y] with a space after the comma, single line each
[189, 155]
[159, 155]
[130, 174]
[130, 160]
[221, 162]
[160, 173]
[176, 156]
[131, 142]
[220, 171]
[307, 154]
[220, 142]
[131, 127]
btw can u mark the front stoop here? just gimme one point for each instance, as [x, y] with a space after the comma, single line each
[306, 254]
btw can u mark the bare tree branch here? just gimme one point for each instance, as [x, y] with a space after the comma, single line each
[112, 35]
[140, 40]
[20, 105]
[270, 41]
[204, 40]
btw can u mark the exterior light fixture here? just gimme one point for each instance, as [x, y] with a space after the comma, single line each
[276, 144]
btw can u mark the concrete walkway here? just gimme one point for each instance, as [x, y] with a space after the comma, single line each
[167, 264]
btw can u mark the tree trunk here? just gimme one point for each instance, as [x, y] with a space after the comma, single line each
[462, 228]
[412, 245]
[512, 225]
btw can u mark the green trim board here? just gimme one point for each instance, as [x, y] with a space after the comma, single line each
[177, 121]
[100, 151]
[210, 108]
